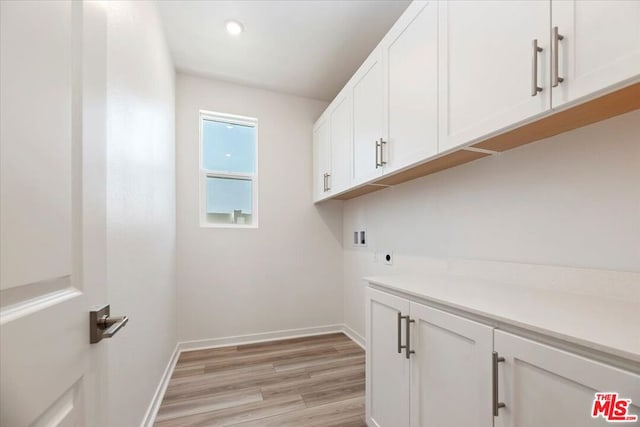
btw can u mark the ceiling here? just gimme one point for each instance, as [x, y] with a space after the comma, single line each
[308, 48]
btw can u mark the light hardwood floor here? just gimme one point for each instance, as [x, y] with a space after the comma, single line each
[309, 381]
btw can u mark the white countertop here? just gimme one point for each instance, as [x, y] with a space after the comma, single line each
[594, 321]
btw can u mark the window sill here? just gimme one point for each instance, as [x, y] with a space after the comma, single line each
[209, 225]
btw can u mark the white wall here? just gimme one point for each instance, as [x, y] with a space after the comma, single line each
[140, 207]
[572, 200]
[286, 274]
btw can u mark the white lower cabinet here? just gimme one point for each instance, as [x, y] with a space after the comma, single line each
[542, 385]
[450, 371]
[388, 373]
[438, 374]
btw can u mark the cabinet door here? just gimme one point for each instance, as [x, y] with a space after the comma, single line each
[545, 386]
[450, 370]
[410, 56]
[600, 46]
[341, 143]
[486, 66]
[321, 159]
[387, 396]
[367, 118]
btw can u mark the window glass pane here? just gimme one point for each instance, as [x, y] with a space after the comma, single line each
[228, 147]
[229, 200]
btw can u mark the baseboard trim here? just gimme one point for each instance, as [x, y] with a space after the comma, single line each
[152, 411]
[181, 346]
[355, 337]
[259, 337]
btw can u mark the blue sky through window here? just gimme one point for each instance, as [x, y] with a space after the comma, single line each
[224, 195]
[228, 147]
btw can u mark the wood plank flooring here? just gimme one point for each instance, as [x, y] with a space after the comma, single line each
[309, 381]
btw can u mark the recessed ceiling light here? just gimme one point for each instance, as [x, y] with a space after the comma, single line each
[228, 155]
[229, 127]
[234, 27]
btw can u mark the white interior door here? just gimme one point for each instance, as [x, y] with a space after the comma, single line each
[52, 244]
[600, 46]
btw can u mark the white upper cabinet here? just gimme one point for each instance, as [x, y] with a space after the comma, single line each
[332, 144]
[410, 58]
[368, 118]
[341, 135]
[321, 159]
[488, 67]
[451, 74]
[599, 46]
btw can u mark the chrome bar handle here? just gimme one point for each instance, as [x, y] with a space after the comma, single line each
[382, 144]
[328, 176]
[555, 78]
[496, 404]
[407, 348]
[400, 346]
[117, 323]
[378, 164]
[534, 68]
[324, 182]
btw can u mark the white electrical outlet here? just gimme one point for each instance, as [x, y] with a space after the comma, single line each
[387, 257]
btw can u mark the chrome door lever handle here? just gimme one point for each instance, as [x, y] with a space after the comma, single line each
[103, 325]
[116, 323]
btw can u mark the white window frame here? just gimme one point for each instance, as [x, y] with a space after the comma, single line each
[208, 173]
